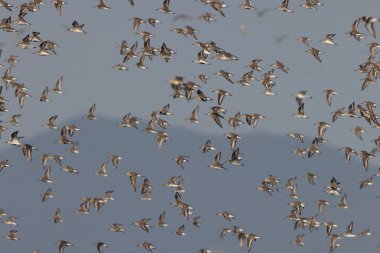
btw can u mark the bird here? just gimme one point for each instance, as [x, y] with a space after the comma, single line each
[355, 30]
[27, 151]
[91, 113]
[196, 222]
[76, 27]
[117, 228]
[349, 231]
[217, 164]
[315, 53]
[321, 205]
[12, 235]
[58, 5]
[370, 24]
[45, 95]
[102, 5]
[329, 94]
[48, 194]
[358, 131]
[147, 245]
[165, 7]
[161, 220]
[348, 152]
[62, 244]
[132, 179]
[102, 170]
[300, 112]
[207, 146]
[247, 4]
[329, 39]
[181, 231]
[310, 177]
[115, 160]
[250, 239]
[46, 177]
[284, 7]
[226, 215]
[51, 122]
[365, 158]
[296, 136]
[305, 40]
[299, 240]
[194, 115]
[221, 95]
[57, 218]
[343, 202]
[181, 160]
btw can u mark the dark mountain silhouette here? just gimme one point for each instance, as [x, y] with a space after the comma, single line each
[208, 191]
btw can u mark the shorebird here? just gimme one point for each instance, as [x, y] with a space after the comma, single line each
[102, 170]
[15, 140]
[247, 4]
[296, 136]
[355, 30]
[48, 194]
[100, 246]
[27, 151]
[315, 53]
[11, 220]
[102, 5]
[279, 65]
[365, 158]
[194, 115]
[300, 112]
[329, 94]
[76, 27]
[321, 205]
[62, 244]
[207, 146]
[366, 182]
[299, 240]
[310, 178]
[226, 215]
[12, 235]
[143, 224]
[217, 164]
[51, 122]
[132, 179]
[46, 177]
[161, 220]
[91, 113]
[181, 231]
[115, 160]
[117, 228]
[181, 159]
[58, 5]
[226, 75]
[57, 218]
[343, 202]
[45, 95]
[165, 7]
[233, 139]
[221, 95]
[305, 40]
[147, 245]
[284, 7]
[370, 24]
[349, 231]
[329, 39]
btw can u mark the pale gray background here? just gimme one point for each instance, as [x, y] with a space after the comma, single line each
[85, 61]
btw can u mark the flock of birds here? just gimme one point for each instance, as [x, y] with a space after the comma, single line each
[159, 126]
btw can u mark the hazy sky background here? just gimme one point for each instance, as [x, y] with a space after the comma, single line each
[85, 61]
